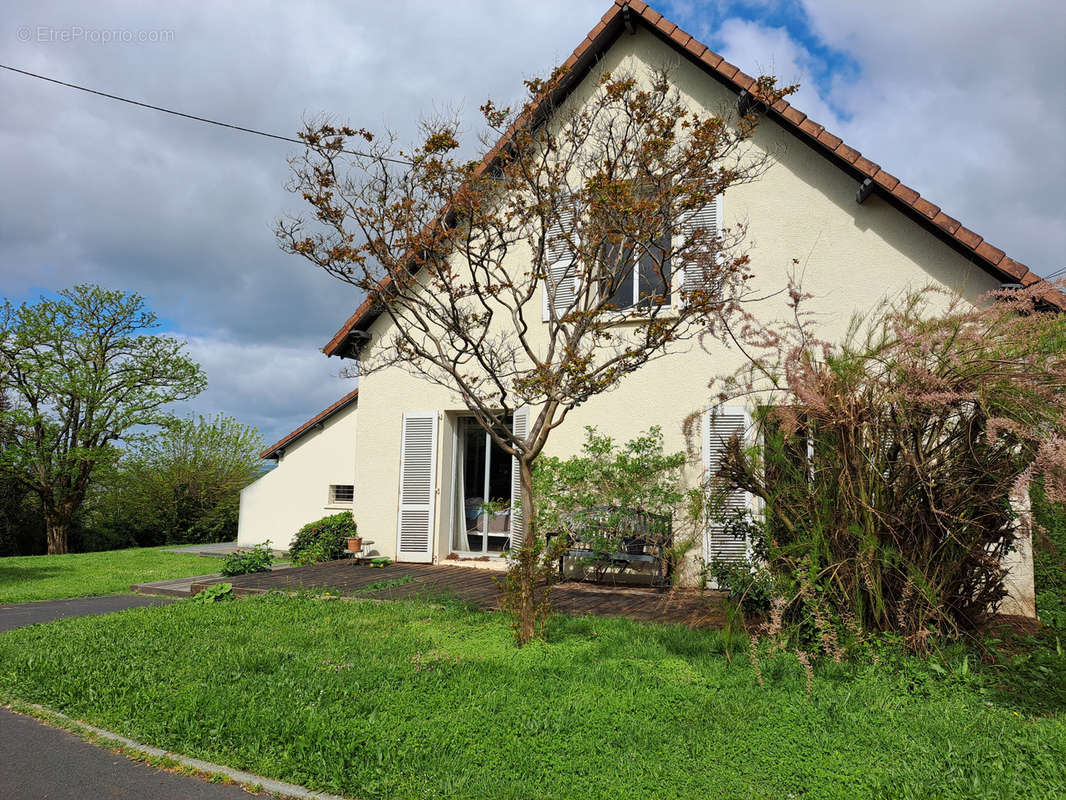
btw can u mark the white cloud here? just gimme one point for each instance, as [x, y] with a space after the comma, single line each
[274, 387]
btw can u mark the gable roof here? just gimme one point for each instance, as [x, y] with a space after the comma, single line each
[626, 15]
[317, 419]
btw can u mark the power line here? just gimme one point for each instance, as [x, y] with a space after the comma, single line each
[188, 116]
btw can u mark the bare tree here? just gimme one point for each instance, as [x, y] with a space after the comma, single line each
[576, 251]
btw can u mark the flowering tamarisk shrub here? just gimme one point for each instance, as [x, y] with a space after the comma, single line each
[894, 468]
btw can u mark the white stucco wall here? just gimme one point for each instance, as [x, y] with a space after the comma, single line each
[803, 207]
[297, 490]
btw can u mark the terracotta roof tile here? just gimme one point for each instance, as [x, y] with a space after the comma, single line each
[990, 253]
[849, 154]
[1012, 267]
[923, 206]
[967, 237]
[950, 224]
[793, 115]
[886, 179]
[651, 15]
[811, 128]
[727, 69]
[666, 26]
[866, 166]
[711, 58]
[1028, 279]
[681, 37]
[905, 193]
[829, 140]
[743, 80]
[789, 116]
[780, 106]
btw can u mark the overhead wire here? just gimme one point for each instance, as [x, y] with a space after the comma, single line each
[194, 117]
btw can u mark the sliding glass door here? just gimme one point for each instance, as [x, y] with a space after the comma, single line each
[482, 518]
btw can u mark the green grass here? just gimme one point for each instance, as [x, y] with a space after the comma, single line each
[26, 578]
[421, 699]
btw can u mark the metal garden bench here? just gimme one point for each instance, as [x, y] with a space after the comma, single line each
[612, 536]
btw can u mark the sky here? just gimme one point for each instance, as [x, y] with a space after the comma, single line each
[961, 99]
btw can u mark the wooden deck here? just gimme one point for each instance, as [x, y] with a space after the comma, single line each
[479, 586]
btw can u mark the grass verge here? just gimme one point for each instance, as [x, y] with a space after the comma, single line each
[414, 699]
[27, 578]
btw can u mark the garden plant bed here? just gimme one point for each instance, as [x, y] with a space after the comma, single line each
[432, 699]
[480, 587]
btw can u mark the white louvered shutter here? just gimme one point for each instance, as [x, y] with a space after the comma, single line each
[718, 428]
[708, 218]
[520, 427]
[418, 487]
[562, 284]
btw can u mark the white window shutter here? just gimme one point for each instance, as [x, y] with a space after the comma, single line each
[520, 428]
[719, 426]
[708, 218]
[418, 487]
[562, 285]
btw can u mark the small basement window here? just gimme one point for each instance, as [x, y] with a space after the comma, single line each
[341, 493]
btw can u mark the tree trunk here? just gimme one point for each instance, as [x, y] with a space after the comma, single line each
[528, 556]
[57, 530]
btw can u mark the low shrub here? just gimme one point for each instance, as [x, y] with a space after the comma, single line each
[322, 540]
[245, 562]
[749, 586]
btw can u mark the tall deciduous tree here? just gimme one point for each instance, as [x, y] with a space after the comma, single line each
[182, 484]
[82, 372]
[596, 204]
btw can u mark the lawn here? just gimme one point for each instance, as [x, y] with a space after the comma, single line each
[423, 699]
[26, 578]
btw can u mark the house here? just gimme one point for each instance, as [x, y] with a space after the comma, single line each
[314, 477]
[423, 470]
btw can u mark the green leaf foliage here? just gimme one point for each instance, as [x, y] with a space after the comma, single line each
[322, 540]
[245, 562]
[181, 485]
[82, 371]
[636, 475]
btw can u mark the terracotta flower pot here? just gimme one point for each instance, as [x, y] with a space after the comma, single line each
[355, 543]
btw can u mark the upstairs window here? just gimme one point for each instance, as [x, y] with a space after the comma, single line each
[341, 493]
[641, 275]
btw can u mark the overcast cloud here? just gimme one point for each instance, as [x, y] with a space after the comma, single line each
[961, 99]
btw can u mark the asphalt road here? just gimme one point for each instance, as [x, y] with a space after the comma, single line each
[38, 762]
[19, 614]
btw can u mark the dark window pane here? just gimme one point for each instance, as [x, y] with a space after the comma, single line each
[621, 265]
[654, 273]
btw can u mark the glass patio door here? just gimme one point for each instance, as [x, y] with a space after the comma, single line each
[481, 523]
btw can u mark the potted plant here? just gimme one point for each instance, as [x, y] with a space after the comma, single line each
[355, 543]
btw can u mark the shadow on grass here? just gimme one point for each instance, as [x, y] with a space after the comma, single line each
[34, 573]
[1032, 679]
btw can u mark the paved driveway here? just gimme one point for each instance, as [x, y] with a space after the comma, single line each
[19, 614]
[38, 762]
